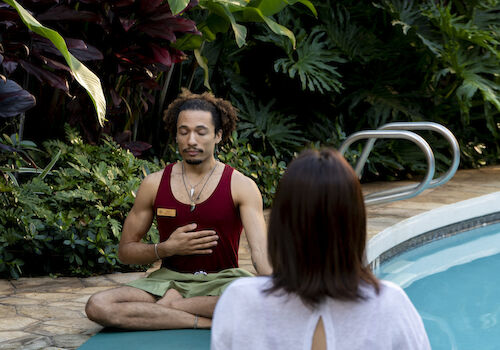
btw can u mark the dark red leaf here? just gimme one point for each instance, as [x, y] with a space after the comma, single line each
[149, 6]
[177, 55]
[8, 15]
[77, 47]
[85, 52]
[156, 30]
[127, 23]
[65, 13]
[44, 45]
[75, 43]
[161, 55]
[122, 3]
[14, 99]
[128, 58]
[45, 76]
[52, 63]
[9, 65]
[123, 137]
[148, 83]
[165, 25]
[137, 147]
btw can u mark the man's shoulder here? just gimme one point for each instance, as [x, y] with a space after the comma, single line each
[153, 178]
[240, 179]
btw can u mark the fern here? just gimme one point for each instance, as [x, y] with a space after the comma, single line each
[312, 62]
[269, 128]
[353, 40]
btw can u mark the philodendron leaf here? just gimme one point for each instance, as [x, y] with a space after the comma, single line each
[176, 6]
[82, 74]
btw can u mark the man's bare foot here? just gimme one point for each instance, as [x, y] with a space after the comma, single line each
[169, 296]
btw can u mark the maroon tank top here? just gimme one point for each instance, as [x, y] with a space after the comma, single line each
[216, 213]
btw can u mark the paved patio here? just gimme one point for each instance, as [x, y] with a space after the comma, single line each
[48, 313]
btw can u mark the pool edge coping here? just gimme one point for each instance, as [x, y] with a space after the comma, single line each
[429, 221]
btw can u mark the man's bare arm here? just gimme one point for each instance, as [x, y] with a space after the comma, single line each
[183, 241]
[249, 199]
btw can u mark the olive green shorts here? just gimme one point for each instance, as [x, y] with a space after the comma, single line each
[188, 284]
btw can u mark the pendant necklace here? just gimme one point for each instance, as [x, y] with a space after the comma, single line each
[191, 191]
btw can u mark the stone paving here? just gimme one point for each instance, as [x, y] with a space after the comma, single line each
[48, 313]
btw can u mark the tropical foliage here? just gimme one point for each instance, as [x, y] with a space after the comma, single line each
[360, 66]
[68, 218]
[302, 73]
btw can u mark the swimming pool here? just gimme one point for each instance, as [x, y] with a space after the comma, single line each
[447, 262]
[453, 284]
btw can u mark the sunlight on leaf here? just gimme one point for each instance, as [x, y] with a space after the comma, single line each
[82, 74]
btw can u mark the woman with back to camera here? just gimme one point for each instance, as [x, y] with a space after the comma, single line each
[321, 295]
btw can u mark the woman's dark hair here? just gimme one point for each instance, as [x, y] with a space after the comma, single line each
[317, 230]
[224, 115]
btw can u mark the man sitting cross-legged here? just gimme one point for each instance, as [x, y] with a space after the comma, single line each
[201, 206]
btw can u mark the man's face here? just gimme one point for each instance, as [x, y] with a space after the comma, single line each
[196, 136]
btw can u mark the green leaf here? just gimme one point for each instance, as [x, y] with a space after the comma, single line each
[307, 4]
[202, 61]
[176, 6]
[189, 42]
[50, 165]
[272, 7]
[279, 29]
[240, 31]
[312, 63]
[82, 74]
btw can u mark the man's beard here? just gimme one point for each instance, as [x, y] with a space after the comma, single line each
[193, 161]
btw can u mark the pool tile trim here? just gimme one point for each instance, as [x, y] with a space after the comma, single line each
[435, 224]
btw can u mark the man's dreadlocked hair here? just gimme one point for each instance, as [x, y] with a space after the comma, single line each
[224, 115]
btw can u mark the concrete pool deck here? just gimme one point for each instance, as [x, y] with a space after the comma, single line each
[48, 313]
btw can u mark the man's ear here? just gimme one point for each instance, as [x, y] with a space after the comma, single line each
[218, 136]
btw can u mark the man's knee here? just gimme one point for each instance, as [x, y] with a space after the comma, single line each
[97, 307]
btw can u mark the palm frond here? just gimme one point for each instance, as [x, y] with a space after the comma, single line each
[351, 39]
[261, 123]
[312, 62]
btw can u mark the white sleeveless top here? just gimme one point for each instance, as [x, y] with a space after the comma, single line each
[247, 318]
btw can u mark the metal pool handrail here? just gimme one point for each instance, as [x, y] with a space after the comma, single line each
[400, 192]
[448, 135]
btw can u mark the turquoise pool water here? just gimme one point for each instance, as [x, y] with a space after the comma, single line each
[455, 285]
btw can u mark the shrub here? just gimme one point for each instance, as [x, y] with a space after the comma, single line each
[266, 171]
[70, 221]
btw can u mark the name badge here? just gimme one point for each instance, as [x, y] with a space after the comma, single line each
[165, 212]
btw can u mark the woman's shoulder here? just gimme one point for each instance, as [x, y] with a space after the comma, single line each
[389, 296]
[391, 290]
